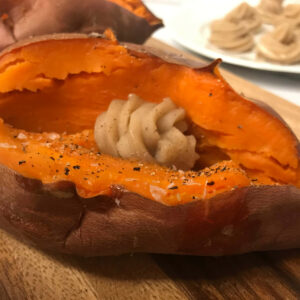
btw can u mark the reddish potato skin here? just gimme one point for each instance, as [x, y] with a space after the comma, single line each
[53, 216]
[27, 18]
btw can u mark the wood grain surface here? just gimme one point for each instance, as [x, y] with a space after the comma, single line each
[28, 273]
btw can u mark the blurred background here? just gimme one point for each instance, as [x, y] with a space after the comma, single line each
[285, 85]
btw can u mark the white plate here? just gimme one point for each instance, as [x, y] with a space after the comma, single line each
[190, 28]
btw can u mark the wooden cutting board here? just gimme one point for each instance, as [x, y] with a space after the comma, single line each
[27, 273]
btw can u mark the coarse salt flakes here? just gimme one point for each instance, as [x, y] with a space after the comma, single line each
[94, 165]
[46, 144]
[130, 179]
[53, 136]
[193, 183]
[170, 185]
[157, 192]
[7, 146]
[22, 136]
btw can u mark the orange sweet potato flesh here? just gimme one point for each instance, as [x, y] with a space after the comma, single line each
[60, 193]
[129, 19]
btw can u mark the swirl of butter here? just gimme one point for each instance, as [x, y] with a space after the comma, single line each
[230, 36]
[246, 15]
[280, 45]
[270, 10]
[291, 14]
[135, 129]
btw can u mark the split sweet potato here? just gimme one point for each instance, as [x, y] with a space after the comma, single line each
[58, 192]
[129, 19]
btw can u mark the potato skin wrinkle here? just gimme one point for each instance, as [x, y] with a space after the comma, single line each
[59, 192]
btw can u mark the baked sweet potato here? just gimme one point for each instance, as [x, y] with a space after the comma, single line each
[129, 19]
[58, 192]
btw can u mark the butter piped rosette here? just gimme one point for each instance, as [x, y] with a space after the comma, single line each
[230, 36]
[281, 45]
[270, 10]
[246, 15]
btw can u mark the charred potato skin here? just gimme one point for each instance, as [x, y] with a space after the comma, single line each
[53, 216]
[22, 19]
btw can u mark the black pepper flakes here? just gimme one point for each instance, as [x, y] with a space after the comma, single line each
[175, 187]
[240, 127]
[52, 158]
[21, 162]
[137, 169]
[210, 94]
[211, 183]
[76, 167]
[67, 171]
[61, 156]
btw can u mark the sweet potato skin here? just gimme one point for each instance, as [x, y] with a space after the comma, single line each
[21, 19]
[53, 216]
